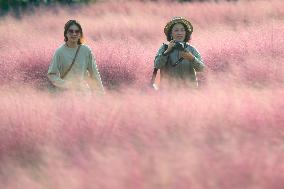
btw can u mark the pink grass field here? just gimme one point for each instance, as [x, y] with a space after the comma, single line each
[227, 134]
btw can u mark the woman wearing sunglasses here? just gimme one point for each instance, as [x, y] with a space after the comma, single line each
[73, 65]
[178, 61]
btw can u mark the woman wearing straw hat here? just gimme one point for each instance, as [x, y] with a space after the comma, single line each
[178, 61]
[73, 65]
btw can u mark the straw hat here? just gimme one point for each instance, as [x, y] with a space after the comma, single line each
[176, 20]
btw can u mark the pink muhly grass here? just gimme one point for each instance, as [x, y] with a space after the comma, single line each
[227, 134]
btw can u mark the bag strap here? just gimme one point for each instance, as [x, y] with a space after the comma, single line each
[73, 61]
[155, 71]
[154, 76]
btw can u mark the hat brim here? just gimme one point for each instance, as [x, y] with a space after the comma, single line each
[176, 21]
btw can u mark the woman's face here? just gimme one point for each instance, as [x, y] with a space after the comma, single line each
[178, 32]
[73, 33]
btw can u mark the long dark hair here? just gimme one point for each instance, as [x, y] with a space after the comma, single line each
[68, 25]
[187, 34]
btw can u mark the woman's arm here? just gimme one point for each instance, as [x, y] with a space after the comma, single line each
[198, 63]
[161, 58]
[96, 82]
[53, 73]
[195, 58]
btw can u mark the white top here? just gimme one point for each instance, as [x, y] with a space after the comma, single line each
[84, 74]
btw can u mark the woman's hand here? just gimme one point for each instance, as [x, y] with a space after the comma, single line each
[187, 55]
[170, 46]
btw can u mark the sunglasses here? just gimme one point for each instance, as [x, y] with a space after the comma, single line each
[73, 31]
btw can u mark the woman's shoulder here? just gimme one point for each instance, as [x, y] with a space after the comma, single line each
[191, 48]
[59, 50]
[86, 48]
[163, 46]
[62, 49]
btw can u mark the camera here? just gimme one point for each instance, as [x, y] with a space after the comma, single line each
[179, 46]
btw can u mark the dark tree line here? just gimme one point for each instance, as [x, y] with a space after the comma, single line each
[18, 6]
